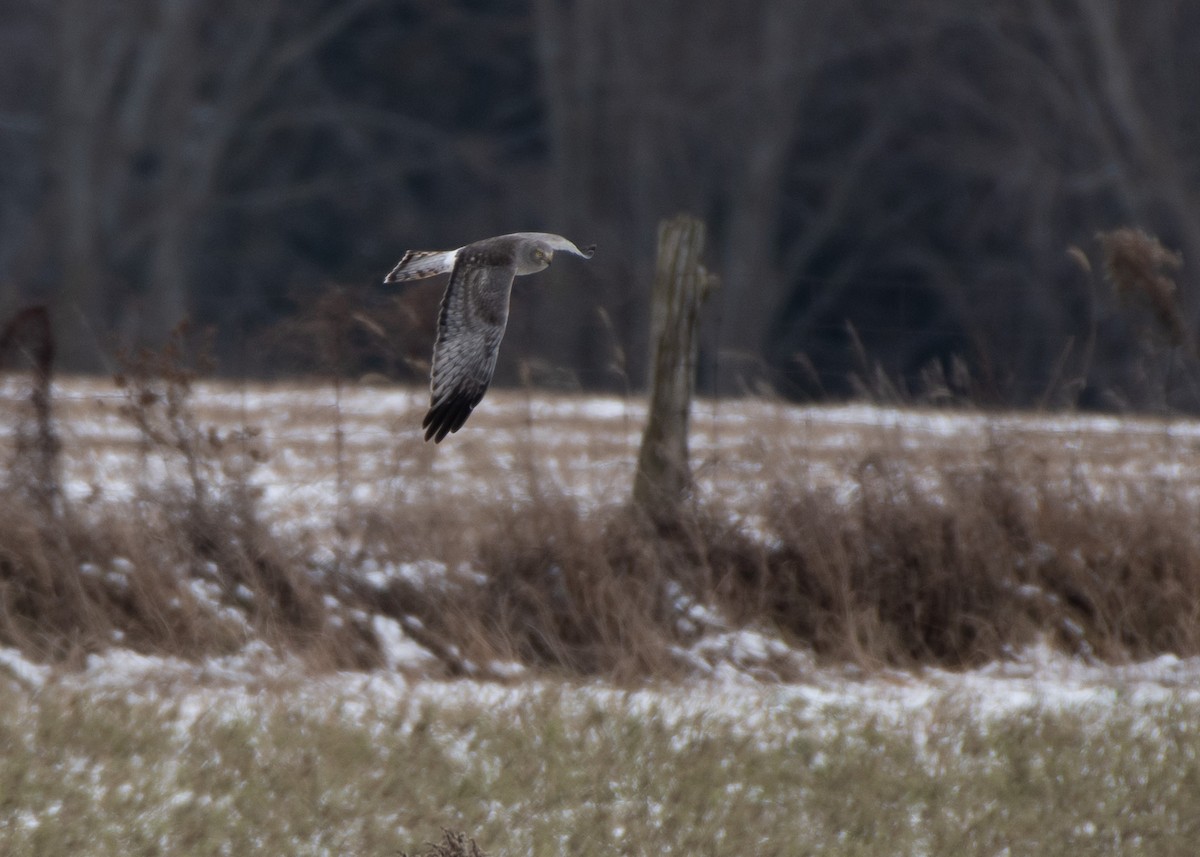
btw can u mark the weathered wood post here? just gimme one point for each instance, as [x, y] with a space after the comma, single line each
[681, 285]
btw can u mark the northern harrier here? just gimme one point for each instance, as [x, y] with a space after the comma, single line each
[473, 315]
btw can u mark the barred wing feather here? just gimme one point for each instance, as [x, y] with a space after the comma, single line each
[470, 326]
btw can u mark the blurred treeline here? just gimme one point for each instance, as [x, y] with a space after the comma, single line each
[891, 188]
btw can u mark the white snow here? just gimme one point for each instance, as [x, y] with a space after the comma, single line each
[384, 458]
[399, 649]
[1039, 680]
[14, 664]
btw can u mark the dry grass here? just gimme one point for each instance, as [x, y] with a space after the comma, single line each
[997, 558]
[197, 517]
[1142, 272]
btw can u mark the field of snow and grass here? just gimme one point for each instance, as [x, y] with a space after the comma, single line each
[247, 619]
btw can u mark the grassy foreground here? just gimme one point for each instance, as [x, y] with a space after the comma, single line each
[565, 772]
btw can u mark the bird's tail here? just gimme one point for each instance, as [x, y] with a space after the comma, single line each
[421, 263]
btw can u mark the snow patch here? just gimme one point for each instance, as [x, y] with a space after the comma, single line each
[24, 671]
[399, 650]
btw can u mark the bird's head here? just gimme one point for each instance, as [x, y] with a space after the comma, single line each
[539, 248]
[540, 257]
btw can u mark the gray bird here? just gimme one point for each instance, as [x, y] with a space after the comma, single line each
[473, 315]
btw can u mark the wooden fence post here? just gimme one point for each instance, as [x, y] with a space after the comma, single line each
[681, 285]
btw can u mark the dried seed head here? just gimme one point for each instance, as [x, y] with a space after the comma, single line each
[1140, 269]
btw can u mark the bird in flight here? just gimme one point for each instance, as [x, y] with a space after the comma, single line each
[473, 315]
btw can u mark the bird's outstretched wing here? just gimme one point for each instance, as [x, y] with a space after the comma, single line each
[470, 326]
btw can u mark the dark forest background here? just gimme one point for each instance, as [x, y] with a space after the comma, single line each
[891, 189]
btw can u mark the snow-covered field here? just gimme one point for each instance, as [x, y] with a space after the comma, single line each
[325, 453]
[323, 459]
[1038, 680]
[585, 447]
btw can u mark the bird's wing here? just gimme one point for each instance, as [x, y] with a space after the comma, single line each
[418, 264]
[470, 327]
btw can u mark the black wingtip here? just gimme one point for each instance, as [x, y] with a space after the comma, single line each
[447, 417]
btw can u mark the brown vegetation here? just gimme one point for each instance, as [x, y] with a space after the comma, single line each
[453, 844]
[1140, 269]
[953, 550]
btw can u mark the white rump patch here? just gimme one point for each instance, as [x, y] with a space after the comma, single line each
[417, 264]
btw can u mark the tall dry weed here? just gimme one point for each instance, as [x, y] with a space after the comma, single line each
[213, 520]
[1142, 272]
[43, 605]
[35, 470]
